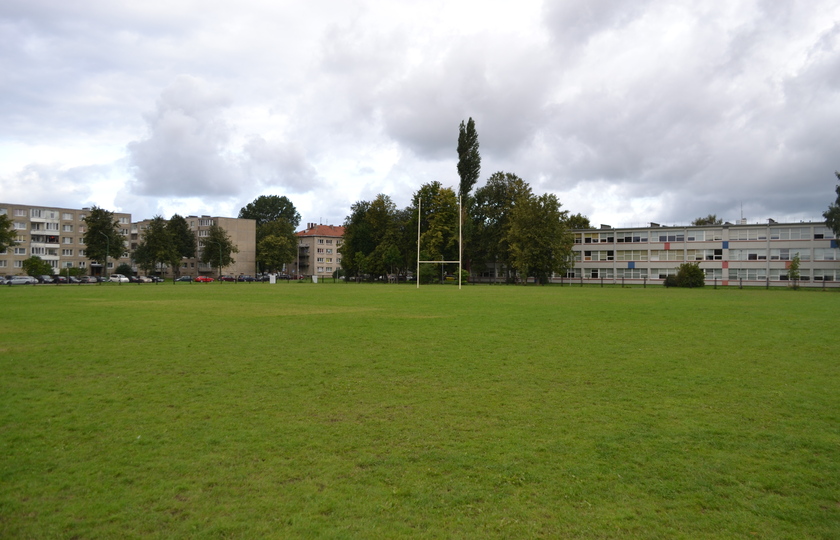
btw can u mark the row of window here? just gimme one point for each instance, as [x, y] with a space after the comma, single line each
[637, 237]
[781, 254]
[747, 274]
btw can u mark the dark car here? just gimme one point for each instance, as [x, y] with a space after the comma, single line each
[88, 279]
[45, 279]
[227, 278]
[60, 279]
[183, 278]
[73, 279]
[158, 279]
[246, 278]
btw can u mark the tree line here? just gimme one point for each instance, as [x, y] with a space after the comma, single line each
[505, 226]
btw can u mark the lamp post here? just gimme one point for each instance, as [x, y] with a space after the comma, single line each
[107, 253]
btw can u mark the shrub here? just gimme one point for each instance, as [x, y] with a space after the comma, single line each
[690, 275]
[124, 269]
[671, 281]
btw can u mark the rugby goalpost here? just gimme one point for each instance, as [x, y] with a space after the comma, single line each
[460, 243]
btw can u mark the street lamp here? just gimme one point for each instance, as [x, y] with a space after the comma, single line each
[107, 253]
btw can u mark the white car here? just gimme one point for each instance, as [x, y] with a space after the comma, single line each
[22, 280]
[118, 278]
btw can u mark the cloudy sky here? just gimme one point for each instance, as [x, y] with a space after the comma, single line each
[630, 112]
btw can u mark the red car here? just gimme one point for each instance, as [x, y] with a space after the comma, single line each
[204, 279]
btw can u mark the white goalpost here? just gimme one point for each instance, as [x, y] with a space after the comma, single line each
[460, 243]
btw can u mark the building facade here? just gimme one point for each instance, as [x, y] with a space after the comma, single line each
[318, 250]
[739, 254]
[56, 235]
[242, 233]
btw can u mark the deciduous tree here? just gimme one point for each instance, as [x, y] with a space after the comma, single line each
[35, 266]
[267, 208]
[7, 233]
[102, 238]
[540, 243]
[217, 248]
[183, 240]
[711, 219]
[832, 215]
[469, 158]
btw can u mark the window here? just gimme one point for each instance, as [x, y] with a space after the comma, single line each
[110, 264]
[67, 228]
[329, 250]
[329, 269]
[82, 253]
[39, 251]
[666, 255]
[628, 237]
[123, 220]
[749, 274]
[67, 252]
[631, 273]
[632, 255]
[747, 254]
[329, 259]
[790, 233]
[205, 222]
[713, 273]
[320, 250]
[598, 255]
[18, 264]
[51, 226]
[2, 264]
[598, 273]
[572, 273]
[35, 212]
[67, 240]
[827, 254]
[823, 232]
[704, 254]
[20, 226]
[82, 264]
[20, 251]
[329, 241]
[67, 264]
[320, 240]
[671, 236]
[662, 273]
[20, 212]
[748, 234]
[696, 236]
[826, 275]
[66, 215]
[3, 211]
[320, 269]
[320, 259]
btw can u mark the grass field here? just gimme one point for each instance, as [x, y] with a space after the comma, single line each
[383, 411]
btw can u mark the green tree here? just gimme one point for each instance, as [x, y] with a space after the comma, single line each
[7, 233]
[276, 250]
[578, 221]
[832, 215]
[267, 208]
[102, 238]
[494, 203]
[711, 219]
[540, 243]
[35, 266]
[469, 158]
[793, 271]
[124, 269]
[183, 240]
[370, 231]
[157, 246]
[690, 275]
[217, 248]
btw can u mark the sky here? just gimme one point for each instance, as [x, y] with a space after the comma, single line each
[629, 112]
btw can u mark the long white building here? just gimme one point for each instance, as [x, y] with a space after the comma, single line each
[739, 254]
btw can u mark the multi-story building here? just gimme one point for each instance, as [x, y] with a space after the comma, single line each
[318, 250]
[56, 235]
[729, 254]
[242, 233]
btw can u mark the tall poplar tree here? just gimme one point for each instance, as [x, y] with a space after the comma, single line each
[469, 159]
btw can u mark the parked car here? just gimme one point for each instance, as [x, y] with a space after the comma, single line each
[144, 279]
[184, 278]
[118, 278]
[88, 279]
[60, 279]
[204, 279]
[73, 279]
[22, 280]
[157, 279]
[44, 279]
[246, 278]
[227, 278]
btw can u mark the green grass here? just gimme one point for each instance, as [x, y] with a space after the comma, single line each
[376, 411]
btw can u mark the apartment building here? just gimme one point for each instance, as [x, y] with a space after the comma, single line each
[318, 250]
[56, 235]
[739, 254]
[242, 233]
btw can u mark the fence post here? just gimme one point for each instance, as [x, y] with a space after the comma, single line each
[644, 282]
[741, 283]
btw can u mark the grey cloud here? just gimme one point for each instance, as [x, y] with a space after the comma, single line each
[280, 165]
[185, 153]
